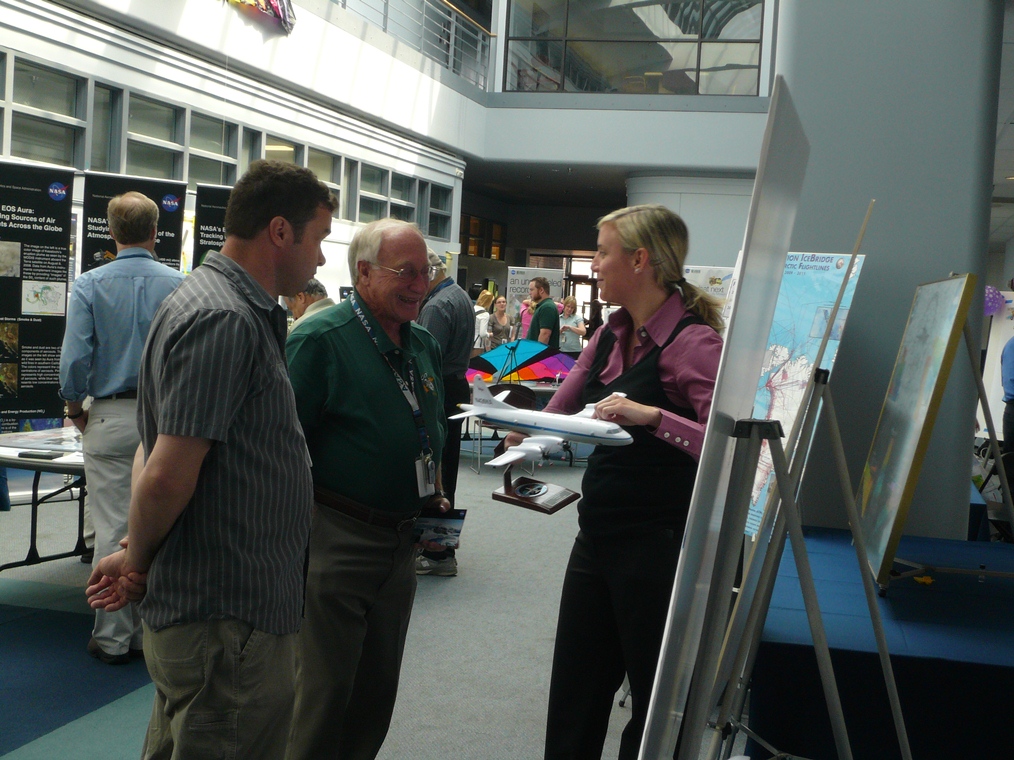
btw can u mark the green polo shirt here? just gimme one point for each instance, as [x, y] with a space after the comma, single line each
[358, 423]
[546, 316]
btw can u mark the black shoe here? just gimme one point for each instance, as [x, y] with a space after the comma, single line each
[109, 659]
[88, 556]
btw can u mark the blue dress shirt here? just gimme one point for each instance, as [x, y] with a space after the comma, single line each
[110, 311]
[1007, 370]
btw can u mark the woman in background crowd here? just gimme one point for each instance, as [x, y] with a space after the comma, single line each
[482, 303]
[499, 324]
[571, 328]
[524, 320]
[661, 351]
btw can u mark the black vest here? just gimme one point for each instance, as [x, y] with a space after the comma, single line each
[646, 485]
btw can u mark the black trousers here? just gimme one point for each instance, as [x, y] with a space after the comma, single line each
[612, 617]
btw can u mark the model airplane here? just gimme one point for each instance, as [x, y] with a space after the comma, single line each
[547, 432]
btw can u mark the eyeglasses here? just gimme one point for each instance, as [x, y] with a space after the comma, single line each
[408, 274]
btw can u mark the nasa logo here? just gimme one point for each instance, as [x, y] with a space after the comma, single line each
[170, 203]
[57, 191]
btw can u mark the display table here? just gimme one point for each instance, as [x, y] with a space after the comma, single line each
[951, 643]
[57, 451]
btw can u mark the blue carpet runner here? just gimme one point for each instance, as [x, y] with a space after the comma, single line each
[47, 679]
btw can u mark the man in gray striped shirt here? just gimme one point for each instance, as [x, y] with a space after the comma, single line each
[220, 512]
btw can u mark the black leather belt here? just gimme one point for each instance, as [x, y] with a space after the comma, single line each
[339, 503]
[121, 394]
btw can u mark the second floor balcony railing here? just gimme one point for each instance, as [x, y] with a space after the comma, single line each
[434, 28]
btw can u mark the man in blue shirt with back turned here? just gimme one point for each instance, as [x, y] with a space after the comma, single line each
[1007, 376]
[108, 317]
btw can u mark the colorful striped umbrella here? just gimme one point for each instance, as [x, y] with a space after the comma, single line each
[520, 360]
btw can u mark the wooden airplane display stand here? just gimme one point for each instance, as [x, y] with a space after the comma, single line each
[534, 494]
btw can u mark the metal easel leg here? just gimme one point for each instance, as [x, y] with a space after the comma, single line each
[760, 569]
[809, 590]
[749, 434]
[864, 570]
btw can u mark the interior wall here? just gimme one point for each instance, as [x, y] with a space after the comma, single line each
[714, 209]
[888, 117]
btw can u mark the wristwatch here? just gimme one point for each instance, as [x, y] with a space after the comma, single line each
[69, 416]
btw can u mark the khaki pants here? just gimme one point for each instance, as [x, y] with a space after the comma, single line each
[359, 595]
[109, 442]
[222, 690]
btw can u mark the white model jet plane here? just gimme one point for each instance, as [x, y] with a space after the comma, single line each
[547, 432]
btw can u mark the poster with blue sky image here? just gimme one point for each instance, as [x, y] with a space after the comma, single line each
[809, 289]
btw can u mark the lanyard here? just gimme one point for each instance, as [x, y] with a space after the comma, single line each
[407, 389]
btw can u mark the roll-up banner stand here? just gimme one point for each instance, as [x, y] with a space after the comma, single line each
[209, 220]
[98, 248]
[35, 239]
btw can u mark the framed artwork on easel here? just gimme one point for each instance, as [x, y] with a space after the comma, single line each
[906, 419]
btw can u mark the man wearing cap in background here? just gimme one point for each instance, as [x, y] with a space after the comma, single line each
[448, 314]
[309, 300]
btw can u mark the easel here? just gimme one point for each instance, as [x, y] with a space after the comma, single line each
[994, 447]
[720, 674]
[727, 673]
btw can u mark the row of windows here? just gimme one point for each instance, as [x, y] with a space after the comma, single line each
[686, 47]
[62, 119]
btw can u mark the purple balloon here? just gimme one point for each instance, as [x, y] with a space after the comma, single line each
[993, 302]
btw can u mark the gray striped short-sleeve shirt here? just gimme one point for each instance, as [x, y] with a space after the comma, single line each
[214, 367]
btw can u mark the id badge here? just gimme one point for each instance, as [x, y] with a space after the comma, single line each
[426, 475]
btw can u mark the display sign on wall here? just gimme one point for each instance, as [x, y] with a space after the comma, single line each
[98, 247]
[35, 236]
[517, 285]
[209, 220]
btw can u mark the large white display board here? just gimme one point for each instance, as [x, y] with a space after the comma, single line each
[784, 155]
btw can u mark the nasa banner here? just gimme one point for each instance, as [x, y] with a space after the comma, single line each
[209, 220]
[517, 285]
[35, 240]
[98, 248]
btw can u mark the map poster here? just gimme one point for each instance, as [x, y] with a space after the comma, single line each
[810, 286]
[209, 220]
[35, 238]
[99, 189]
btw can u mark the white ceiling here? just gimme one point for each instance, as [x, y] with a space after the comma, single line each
[1001, 218]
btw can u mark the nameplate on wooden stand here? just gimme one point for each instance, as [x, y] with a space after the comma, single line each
[534, 494]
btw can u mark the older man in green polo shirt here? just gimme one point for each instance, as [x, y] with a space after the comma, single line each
[368, 389]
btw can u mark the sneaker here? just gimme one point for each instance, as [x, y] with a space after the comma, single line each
[445, 567]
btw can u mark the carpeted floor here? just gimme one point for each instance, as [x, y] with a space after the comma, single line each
[475, 677]
[474, 680]
[47, 679]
